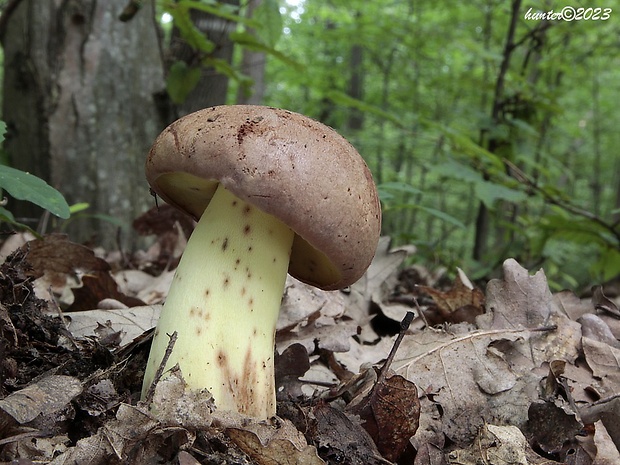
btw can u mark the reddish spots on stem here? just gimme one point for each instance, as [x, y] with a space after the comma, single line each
[221, 358]
[247, 209]
[247, 229]
[226, 281]
[207, 293]
[225, 244]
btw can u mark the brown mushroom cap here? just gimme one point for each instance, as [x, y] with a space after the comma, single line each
[286, 164]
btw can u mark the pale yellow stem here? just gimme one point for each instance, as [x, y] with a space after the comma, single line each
[224, 303]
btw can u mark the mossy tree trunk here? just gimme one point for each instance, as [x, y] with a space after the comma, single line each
[80, 107]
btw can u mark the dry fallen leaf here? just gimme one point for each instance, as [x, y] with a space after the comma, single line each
[274, 444]
[498, 445]
[606, 451]
[377, 283]
[390, 414]
[604, 361]
[43, 397]
[131, 322]
[339, 438]
[463, 302]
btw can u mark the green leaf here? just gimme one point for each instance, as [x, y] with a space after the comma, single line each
[187, 29]
[181, 80]
[2, 131]
[252, 43]
[268, 16]
[489, 192]
[8, 217]
[25, 186]
[399, 187]
[455, 170]
[443, 216]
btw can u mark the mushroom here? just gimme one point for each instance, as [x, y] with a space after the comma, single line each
[272, 191]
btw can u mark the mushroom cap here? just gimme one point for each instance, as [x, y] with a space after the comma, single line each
[288, 165]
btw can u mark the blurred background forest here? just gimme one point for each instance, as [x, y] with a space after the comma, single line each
[491, 128]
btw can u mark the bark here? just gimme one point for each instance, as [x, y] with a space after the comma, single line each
[252, 66]
[482, 218]
[355, 119]
[78, 99]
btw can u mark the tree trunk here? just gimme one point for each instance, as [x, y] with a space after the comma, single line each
[483, 217]
[78, 100]
[253, 66]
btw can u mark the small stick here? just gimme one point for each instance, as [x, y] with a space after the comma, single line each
[160, 370]
[404, 326]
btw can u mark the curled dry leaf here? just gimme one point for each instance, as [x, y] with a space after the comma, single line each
[390, 414]
[377, 283]
[131, 322]
[463, 302]
[311, 317]
[97, 286]
[600, 301]
[274, 444]
[551, 428]
[604, 361]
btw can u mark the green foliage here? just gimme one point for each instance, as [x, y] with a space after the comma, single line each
[452, 125]
[265, 24]
[24, 186]
[181, 80]
[542, 161]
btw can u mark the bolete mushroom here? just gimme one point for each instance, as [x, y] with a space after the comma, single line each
[272, 191]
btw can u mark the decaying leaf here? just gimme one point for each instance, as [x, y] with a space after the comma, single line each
[604, 361]
[606, 451]
[291, 365]
[377, 283]
[274, 444]
[463, 302]
[43, 397]
[339, 438]
[551, 427]
[97, 286]
[309, 315]
[463, 374]
[523, 301]
[600, 301]
[497, 445]
[131, 322]
[390, 414]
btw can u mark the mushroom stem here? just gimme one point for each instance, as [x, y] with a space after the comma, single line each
[224, 303]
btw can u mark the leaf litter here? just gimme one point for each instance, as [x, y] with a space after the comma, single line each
[510, 375]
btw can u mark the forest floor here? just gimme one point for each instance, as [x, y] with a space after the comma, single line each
[404, 367]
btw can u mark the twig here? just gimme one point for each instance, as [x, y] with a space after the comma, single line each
[491, 332]
[404, 326]
[160, 370]
[520, 176]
